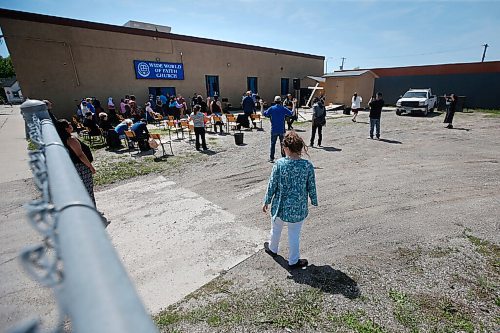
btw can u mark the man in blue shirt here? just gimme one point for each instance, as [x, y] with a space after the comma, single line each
[277, 113]
[140, 129]
[248, 105]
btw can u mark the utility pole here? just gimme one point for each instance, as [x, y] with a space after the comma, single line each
[484, 52]
[342, 66]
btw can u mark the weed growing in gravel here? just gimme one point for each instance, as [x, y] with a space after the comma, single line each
[31, 145]
[489, 250]
[404, 309]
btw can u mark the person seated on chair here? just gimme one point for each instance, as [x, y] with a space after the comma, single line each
[140, 129]
[216, 110]
[150, 114]
[122, 127]
[104, 123]
[90, 123]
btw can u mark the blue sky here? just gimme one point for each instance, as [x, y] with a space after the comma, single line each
[368, 33]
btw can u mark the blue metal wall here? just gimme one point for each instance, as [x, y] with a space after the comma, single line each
[482, 90]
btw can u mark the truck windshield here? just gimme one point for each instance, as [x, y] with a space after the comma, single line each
[413, 94]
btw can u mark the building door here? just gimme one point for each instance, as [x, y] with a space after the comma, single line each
[252, 84]
[157, 91]
[212, 84]
[285, 86]
[339, 93]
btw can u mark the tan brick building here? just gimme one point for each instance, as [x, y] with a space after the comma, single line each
[65, 59]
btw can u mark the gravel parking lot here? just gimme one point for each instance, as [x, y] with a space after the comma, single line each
[405, 237]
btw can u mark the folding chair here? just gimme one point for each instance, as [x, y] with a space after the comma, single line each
[184, 126]
[191, 132]
[208, 123]
[216, 119]
[231, 121]
[257, 118]
[162, 144]
[99, 137]
[131, 141]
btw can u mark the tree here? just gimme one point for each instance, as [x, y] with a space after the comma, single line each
[6, 67]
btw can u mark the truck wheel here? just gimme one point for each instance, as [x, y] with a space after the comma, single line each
[426, 111]
[398, 112]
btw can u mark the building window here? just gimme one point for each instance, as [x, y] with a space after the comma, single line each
[212, 84]
[285, 86]
[252, 84]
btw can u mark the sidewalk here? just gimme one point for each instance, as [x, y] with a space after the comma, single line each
[13, 146]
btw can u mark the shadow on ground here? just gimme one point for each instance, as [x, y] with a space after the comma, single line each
[332, 149]
[391, 141]
[325, 278]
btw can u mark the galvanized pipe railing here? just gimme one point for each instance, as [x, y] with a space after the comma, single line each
[76, 257]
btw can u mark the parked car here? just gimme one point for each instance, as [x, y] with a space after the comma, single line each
[420, 101]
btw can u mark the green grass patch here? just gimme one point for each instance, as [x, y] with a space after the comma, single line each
[356, 322]
[489, 112]
[112, 170]
[429, 313]
[276, 308]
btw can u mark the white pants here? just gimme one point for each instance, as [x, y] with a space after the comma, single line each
[293, 238]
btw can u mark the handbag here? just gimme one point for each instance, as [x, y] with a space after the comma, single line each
[152, 143]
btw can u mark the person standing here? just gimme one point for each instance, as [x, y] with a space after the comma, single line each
[355, 105]
[277, 113]
[80, 155]
[318, 120]
[248, 106]
[290, 104]
[198, 119]
[376, 104]
[450, 112]
[291, 182]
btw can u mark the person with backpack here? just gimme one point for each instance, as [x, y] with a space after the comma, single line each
[318, 120]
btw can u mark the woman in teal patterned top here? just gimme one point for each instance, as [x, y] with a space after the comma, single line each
[290, 184]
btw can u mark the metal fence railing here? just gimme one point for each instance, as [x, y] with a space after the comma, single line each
[76, 258]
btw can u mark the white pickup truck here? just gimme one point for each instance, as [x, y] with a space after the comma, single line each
[416, 100]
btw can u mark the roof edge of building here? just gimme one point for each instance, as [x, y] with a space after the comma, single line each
[439, 69]
[27, 16]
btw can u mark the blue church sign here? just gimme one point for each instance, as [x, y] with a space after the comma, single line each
[158, 70]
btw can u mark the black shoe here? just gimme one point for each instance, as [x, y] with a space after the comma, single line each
[301, 263]
[319, 145]
[450, 126]
[271, 160]
[205, 148]
[268, 250]
[311, 145]
[378, 137]
[371, 137]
